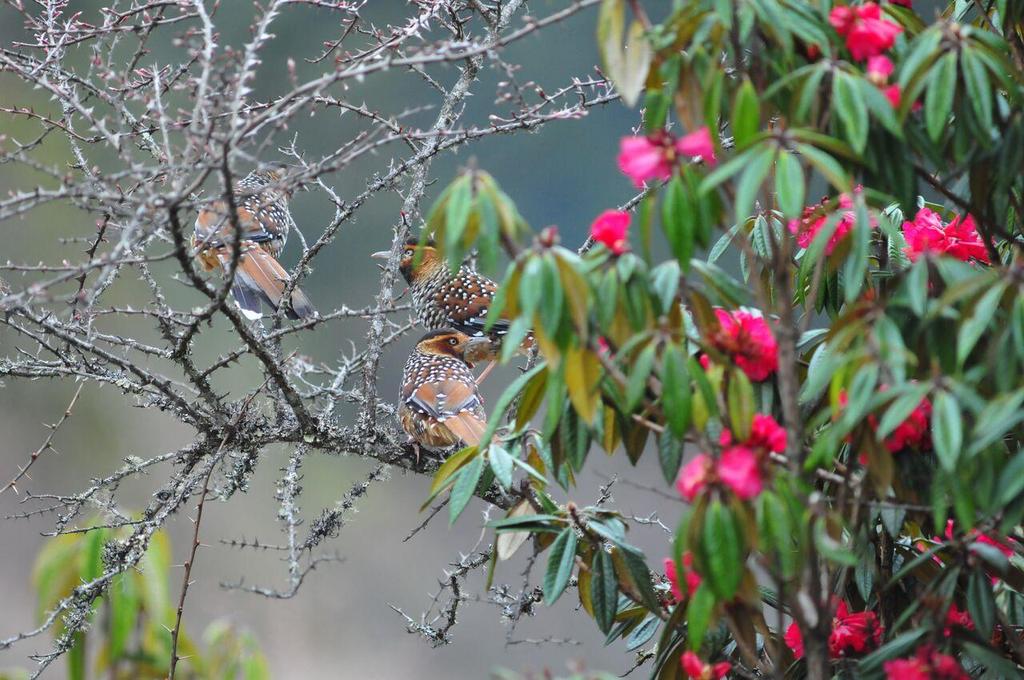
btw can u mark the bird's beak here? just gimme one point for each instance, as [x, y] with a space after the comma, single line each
[381, 255]
[479, 349]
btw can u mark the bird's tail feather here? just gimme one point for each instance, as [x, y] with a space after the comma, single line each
[260, 277]
[468, 427]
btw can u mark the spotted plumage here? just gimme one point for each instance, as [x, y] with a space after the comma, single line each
[265, 221]
[443, 299]
[440, 407]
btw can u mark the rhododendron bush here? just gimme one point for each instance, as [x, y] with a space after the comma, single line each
[810, 319]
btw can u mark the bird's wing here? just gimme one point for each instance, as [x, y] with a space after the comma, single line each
[454, 403]
[467, 301]
[213, 226]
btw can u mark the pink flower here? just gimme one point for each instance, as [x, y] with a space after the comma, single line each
[673, 578]
[738, 469]
[693, 579]
[879, 69]
[959, 238]
[645, 158]
[696, 669]
[694, 476]
[895, 95]
[867, 33]
[611, 228]
[927, 664]
[814, 218]
[698, 143]
[748, 341]
[852, 634]
[767, 433]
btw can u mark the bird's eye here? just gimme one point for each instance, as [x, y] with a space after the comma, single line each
[452, 341]
[408, 252]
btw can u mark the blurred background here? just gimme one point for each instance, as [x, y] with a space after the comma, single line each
[340, 624]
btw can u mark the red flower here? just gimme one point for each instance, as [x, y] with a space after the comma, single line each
[696, 669]
[814, 218]
[795, 640]
[867, 33]
[959, 238]
[903, 3]
[912, 433]
[748, 340]
[645, 158]
[956, 618]
[852, 634]
[927, 664]
[738, 469]
[698, 143]
[693, 579]
[611, 228]
[694, 476]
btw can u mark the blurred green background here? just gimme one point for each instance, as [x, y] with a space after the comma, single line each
[340, 624]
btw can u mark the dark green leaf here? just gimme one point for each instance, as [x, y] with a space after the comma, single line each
[560, 564]
[604, 588]
[746, 114]
[938, 102]
[947, 430]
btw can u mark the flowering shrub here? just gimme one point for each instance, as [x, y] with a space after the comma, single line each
[845, 385]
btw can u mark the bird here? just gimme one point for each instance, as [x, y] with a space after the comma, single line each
[440, 407]
[442, 299]
[265, 221]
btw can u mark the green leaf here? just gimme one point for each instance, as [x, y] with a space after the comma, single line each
[639, 372]
[670, 455]
[604, 588]
[979, 90]
[456, 217]
[740, 399]
[938, 101]
[722, 550]
[917, 286]
[505, 400]
[677, 216]
[998, 416]
[1011, 481]
[698, 615]
[560, 563]
[501, 464]
[789, 185]
[980, 602]
[746, 114]
[898, 646]
[465, 485]
[124, 611]
[852, 109]
[856, 266]
[826, 165]
[751, 179]
[972, 329]
[450, 466]
[947, 430]
[676, 394]
[901, 408]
